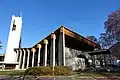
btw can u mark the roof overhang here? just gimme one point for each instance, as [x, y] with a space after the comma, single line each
[97, 52]
[71, 34]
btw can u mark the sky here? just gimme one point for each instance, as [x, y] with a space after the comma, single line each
[41, 17]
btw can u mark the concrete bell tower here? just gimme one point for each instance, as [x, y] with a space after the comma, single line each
[13, 40]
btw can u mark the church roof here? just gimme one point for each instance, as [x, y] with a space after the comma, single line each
[71, 34]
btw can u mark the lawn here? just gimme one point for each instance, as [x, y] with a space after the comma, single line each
[97, 74]
[75, 74]
[12, 72]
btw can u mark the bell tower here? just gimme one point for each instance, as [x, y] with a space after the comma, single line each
[14, 39]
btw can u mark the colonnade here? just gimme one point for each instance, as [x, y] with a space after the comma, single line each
[23, 54]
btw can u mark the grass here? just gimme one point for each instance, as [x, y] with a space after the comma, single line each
[76, 74]
[98, 74]
[12, 72]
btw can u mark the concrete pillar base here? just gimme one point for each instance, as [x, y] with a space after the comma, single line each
[17, 67]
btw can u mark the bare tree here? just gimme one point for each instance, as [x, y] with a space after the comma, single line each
[112, 30]
[112, 25]
[92, 38]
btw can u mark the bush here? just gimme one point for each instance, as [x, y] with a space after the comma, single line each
[43, 71]
[38, 71]
[62, 70]
[32, 71]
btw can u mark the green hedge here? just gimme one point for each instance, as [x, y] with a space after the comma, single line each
[43, 71]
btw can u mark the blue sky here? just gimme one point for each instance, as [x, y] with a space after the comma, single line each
[41, 17]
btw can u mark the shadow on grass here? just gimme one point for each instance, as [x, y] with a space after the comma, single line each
[97, 74]
[109, 74]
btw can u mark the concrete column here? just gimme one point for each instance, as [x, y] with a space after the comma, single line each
[33, 50]
[61, 47]
[51, 52]
[53, 48]
[46, 43]
[54, 37]
[28, 57]
[20, 58]
[64, 48]
[39, 47]
[60, 51]
[23, 64]
[17, 54]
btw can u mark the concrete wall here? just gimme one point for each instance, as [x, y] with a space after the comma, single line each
[72, 60]
[13, 39]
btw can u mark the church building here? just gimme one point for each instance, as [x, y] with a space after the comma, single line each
[63, 47]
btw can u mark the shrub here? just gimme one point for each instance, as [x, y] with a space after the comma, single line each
[38, 71]
[62, 70]
[43, 71]
[32, 71]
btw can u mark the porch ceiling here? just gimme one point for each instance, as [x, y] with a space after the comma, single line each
[74, 43]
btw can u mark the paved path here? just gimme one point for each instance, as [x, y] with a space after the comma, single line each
[56, 78]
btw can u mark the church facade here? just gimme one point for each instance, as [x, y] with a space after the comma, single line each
[61, 47]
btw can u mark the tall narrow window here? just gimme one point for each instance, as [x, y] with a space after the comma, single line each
[14, 26]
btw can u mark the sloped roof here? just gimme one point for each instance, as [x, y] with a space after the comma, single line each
[78, 36]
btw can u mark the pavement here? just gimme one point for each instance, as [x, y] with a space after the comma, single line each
[54, 78]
